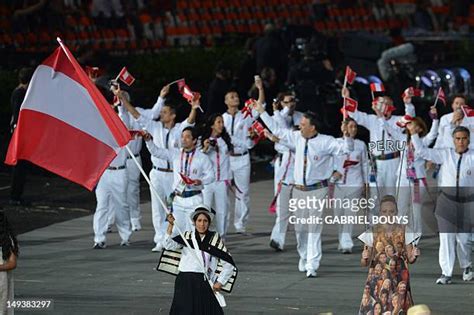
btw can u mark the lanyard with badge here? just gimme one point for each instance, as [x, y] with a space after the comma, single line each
[185, 169]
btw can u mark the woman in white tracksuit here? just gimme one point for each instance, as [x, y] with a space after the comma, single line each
[352, 170]
[286, 118]
[411, 173]
[217, 144]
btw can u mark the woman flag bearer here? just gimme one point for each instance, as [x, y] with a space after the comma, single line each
[199, 262]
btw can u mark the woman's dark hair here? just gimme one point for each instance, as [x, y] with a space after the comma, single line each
[348, 120]
[207, 131]
[8, 240]
[203, 213]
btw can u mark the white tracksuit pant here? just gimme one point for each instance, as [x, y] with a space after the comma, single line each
[451, 242]
[345, 230]
[111, 197]
[240, 167]
[407, 204]
[182, 209]
[308, 237]
[163, 183]
[218, 193]
[133, 192]
[386, 177]
[282, 215]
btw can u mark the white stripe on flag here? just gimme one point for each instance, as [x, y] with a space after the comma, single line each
[68, 101]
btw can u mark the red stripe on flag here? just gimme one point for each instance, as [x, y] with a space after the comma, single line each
[60, 148]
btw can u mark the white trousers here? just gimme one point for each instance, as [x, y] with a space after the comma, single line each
[163, 183]
[308, 237]
[111, 197]
[282, 216]
[407, 204]
[240, 167]
[450, 242]
[133, 192]
[345, 230]
[182, 209]
[217, 193]
[386, 177]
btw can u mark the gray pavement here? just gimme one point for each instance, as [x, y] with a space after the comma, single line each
[57, 262]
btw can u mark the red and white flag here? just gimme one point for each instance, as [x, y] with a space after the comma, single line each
[411, 92]
[186, 92]
[349, 163]
[187, 180]
[65, 124]
[350, 104]
[350, 75]
[377, 87]
[468, 111]
[441, 96]
[247, 109]
[126, 77]
[92, 72]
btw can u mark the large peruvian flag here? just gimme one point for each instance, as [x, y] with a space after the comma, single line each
[65, 124]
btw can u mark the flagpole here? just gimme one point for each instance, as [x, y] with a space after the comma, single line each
[344, 86]
[153, 190]
[175, 81]
[436, 99]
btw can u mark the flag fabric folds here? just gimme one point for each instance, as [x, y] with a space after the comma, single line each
[126, 76]
[441, 96]
[350, 75]
[65, 124]
[377, 87]
[186, 92]
[468, 111]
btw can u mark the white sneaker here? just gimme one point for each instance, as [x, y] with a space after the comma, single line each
[125, 243]
[467, 274]
[311, 273]
[136, 228]
[157, 248]
[302, 265]
[444, 280]
[100, 245]
[240, 230]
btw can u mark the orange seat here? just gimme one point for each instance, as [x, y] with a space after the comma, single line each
[145, 18]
